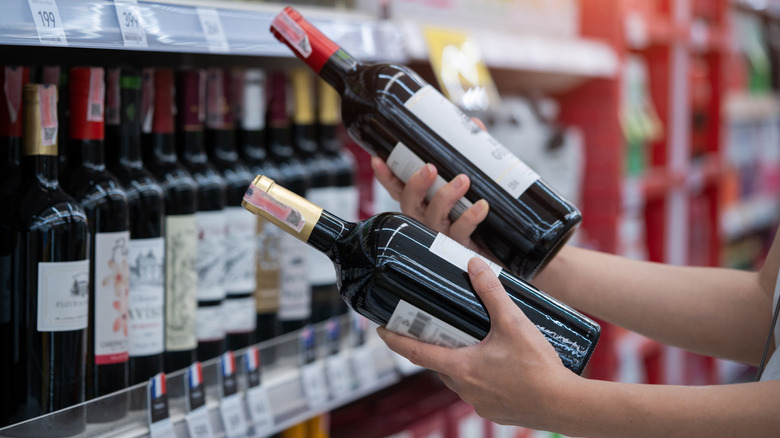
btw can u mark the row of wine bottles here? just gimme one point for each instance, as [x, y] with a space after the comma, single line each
[127, 252]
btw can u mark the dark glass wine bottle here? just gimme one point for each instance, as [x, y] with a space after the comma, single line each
[12, 80]
[101, 195]
[146, 198]
[294, 289]
[181, 204]
[56, 75]
[390, 111]
[251, 135]
[402, 275]
[43, 362]
[322, 174]
[239, 276]
[210, 218]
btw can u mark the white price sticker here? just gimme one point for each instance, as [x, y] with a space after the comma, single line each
[339, 373]
[232, 413]
[46, 17]
[314, 384]
[363, 364]
[162, 429]
[260, 410]
[130, 23]
[212, 29]
[199, 424]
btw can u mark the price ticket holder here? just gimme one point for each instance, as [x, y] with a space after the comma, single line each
[198, 421]
[362, 357]
[315, 385]
[231, 407]
[160, 425]
[256, 395]
[337, 366]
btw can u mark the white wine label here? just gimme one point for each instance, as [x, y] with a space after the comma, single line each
[240, 255]
[321, 271]
[268, 276]
[181, 244]
[404, 163]
[474, 143]
[211, 254]
[294, 289]
[210, 323]
[239, 314]
[63, 296]
[410, 321]
[457, 254]
[147, 297]
[112, 292]
[253, 104]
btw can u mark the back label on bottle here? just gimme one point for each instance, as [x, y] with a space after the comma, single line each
[211, 254]
[181, 243]
[457, 254]
[294, 289]
[112, 291]
[240, 255]
[410, 321]
[268, 275]
[63, 296]
[147, 297]
[474, 143]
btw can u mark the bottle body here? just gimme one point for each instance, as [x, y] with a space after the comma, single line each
[400, 274]
[394, 114]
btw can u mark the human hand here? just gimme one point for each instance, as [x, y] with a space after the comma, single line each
[514, 376]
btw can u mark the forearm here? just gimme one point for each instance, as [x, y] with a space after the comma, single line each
[608, 409]
[712, 311]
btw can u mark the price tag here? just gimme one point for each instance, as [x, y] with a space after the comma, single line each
[314, 384]
[260, 410]
[160, 425]
[339, 372]
[363, 363]
[232, 411]
[130, 24]
[212, 29]
[199, 424]
[46, 17]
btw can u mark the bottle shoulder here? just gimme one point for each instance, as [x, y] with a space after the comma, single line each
[42, 208]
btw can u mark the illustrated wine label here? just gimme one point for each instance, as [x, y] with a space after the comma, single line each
[63, 296]
[239, 314]
[321, 271]
[268, 266]
[457, 254]
[112, 293]
[294, 289]
[240, 254]
[210, 325]
[410, 321]
[211, 254]
[146, 327]
[181, 244]
[474, 143]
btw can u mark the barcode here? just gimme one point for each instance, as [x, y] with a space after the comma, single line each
[48, 135]
[133, 37]
[94, 109]
[50, 39]
[419, 324]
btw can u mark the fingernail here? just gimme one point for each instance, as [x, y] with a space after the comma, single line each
[480, 207]
[459, 181]
[476, 265]
[381, 331]
[426, 170]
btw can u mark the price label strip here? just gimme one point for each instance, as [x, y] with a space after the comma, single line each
[363, 363]
[256, 396]
[230, 407]
[48, 23]
[198, 421]
[313, 379]
[160, 425]
[212, 29]
[336, 364]
[130, 23]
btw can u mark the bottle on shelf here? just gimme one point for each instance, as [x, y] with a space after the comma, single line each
[392, 112]
[57, 75]
[101, 195]
[43, 325]
[181, 232]
[250, 100]
[400, 274]
[322, 279]
[294, 289]
[210, 218]
[146, 198]
[239, 276]
[12, 79]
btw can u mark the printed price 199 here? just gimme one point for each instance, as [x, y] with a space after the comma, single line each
[47, 18]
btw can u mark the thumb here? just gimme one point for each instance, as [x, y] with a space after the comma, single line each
[490, 290]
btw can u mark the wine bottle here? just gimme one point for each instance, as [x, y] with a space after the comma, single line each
[400, 274]
[393, 113]
[210, 218]
[56, 75]
[146, 325]
[44, 362]
[322, 279]
[101, 195]
[181, 204]
[239, 277]
[12, 79]
[294, 289]
[252, 148]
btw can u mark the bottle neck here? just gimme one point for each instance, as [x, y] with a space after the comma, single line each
[221, 145]
[129, 142]
[191, 147]
[328, 139]
[41, 170]
[252, 145]
[39, 151]
[305, 139]
[10, 148]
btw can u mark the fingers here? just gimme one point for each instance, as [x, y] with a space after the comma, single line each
[438, 211]
[461, 229]
[386, 177]
[432, 357]
[490, 290]
[412, 199]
